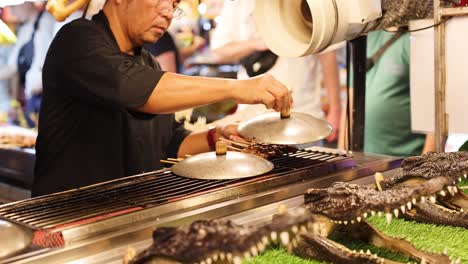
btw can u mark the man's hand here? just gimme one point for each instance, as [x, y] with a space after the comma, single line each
[264, 89]
[230, 132]
[333, 118]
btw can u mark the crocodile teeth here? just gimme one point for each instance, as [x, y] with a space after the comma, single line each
[294, 243]
[254, 251]
[403, 209]
[209, 261]
[455, 189]
[358, 219]
[316, 229]
[389, 217]
[304, 229]
[442, 193]
[409, 205]
[202, 262]
[261, 247]
[247, 255]
[432, 199]
[379, 214]
[451, 191]
[345, 222]
[284, 236]
[459, 179]
[229, 257]
[458, 259]
[372, 213]
[222, 256]
[365, 215]
[423, 261]
[361, 251]
[295, 229]
[215, 257]
[274, 236]
[464, 175]
[265, 240]
[352, 221]
[413, 201]
[237, 260]
[445, 251]
[396, 212]
[423, 199]
[368, 252]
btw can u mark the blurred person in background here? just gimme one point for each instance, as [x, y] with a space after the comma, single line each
[235, 40]
[34, 35]
[5, 50]
[171, 57]
[388, 111]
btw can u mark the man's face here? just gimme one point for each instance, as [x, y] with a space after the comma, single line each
[147, 20]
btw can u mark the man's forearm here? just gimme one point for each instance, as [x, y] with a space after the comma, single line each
[429, 145]
[331, 79]
[175, 92]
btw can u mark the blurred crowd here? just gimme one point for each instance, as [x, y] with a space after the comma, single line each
[21, 63]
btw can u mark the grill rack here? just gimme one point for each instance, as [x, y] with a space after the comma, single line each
[140, 192]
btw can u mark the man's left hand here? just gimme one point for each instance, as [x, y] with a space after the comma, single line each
[333, 118]
[230, 132]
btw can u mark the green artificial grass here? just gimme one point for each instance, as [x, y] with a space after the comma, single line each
[424, 236]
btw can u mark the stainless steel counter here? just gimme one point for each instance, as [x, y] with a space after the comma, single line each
[106, 241]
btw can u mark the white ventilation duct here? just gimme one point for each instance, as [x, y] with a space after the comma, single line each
[294, 28]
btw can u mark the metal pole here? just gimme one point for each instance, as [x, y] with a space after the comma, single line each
[440, 128]
[359, 56]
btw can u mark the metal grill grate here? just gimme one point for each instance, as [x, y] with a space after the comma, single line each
[136, 193]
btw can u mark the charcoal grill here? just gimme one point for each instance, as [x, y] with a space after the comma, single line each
[138, 203]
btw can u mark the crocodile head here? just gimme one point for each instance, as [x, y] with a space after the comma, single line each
[345, 203]
[416, 170]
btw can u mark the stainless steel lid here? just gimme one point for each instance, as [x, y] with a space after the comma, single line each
[222, 165]
[13, 238]
[290, 129]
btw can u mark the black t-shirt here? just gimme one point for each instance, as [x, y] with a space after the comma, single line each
[165, 44]
[87, 131]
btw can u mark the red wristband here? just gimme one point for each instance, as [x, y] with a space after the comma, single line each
[211, 137]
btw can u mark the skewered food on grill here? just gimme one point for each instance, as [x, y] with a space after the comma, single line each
[268, 151]
[17, 137]
[263, 150]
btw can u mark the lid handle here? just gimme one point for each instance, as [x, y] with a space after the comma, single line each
[286, 113]
[221, 148]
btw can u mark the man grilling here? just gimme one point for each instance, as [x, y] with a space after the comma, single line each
[106, 110]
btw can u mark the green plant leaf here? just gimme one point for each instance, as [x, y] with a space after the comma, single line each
[464, 147]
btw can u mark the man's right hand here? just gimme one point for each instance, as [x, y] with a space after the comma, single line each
[264, 89]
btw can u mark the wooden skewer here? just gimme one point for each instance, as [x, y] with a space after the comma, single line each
[168, 162]
[237, 143]
[233, 148]
[173, 159]
[188, 156]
